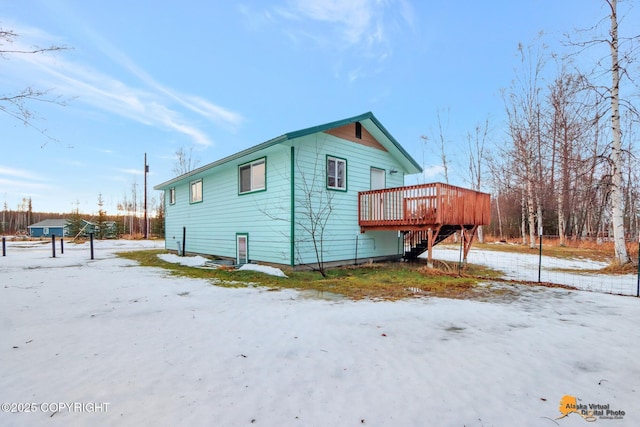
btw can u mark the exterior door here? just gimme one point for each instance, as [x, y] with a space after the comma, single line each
[242, 249]
[377, 183]
[377, 179]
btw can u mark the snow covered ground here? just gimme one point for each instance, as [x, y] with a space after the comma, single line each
[525, 267]
[129, 346]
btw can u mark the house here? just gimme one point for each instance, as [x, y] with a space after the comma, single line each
[48, 228]
[297, 199]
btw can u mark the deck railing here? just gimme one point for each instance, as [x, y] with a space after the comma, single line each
[420, 205]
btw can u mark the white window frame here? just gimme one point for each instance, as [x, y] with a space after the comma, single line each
[195, 191]
[172, 196]
[339, 182]
[242, 248]
[257, 177]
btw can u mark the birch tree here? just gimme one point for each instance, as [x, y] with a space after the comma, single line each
[523, 107]
[618, 60]
[615, 191]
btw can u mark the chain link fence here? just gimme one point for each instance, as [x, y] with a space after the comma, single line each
[579, 273]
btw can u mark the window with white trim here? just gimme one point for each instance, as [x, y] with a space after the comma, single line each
[252, 176]
[172, 196]
[336, 173]
[196, 191]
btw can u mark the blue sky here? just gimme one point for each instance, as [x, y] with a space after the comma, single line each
[217, 77]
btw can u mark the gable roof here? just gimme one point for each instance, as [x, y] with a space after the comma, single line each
[367, 120]
[49, 223]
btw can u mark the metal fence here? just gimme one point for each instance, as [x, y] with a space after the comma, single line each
[579, 273]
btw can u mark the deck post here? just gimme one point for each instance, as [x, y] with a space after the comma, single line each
[468, 241]
[430, 247]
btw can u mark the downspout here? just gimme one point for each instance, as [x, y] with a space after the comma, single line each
[292, 192]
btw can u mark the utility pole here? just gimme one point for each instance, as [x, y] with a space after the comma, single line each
[146, 219]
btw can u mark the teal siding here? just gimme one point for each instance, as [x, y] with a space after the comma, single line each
[278, 227]
[212, 225]
[341, 230]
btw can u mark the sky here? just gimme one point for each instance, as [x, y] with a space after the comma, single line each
[216, 77]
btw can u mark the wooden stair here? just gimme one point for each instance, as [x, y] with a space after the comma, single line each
[418, 241]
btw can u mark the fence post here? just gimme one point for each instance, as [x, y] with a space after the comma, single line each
[184, 239]
[61, 246]
[4, 246]
[355, 259]
[91, 243]
[540, 256]
[638, 285]
[53, 244]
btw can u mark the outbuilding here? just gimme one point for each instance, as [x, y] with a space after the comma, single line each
[48, 228]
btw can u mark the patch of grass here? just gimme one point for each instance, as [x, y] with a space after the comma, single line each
[602, 252]
[383, 281]
[557, 251]
[628, 268]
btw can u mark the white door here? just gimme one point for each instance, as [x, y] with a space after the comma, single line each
[377, 183]
[242, 249]
[377, 179]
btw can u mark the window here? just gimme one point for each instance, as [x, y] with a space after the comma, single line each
[358, 130]
[252, 176]
[336, 173]
[172, 196]
[196, 191]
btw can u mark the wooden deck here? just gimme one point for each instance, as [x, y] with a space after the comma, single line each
[426, 214]
[418, 207]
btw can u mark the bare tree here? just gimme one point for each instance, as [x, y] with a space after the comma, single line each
[619, 59]
[523, 106]
[184, 162]
[441, 141]
[565, 127]
[313, 206]
[477, 157]
[17, 104]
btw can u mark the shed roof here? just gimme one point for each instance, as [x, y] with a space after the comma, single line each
[49, 223]
[368, 121]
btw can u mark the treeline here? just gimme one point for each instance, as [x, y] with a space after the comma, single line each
[568, 165]
[557, 171]
[15, 222]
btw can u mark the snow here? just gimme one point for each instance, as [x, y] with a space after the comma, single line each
[198, 261]
[189, 261]
[525, 267]
[263, 269]
[164, 350]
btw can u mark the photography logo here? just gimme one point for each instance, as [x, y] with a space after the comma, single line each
[589, 411]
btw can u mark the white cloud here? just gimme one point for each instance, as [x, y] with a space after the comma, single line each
[18, 173]
[22, 186]
[431, 171]
[361, 25]
[151, 103]
[351, 17]
[132, 171]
